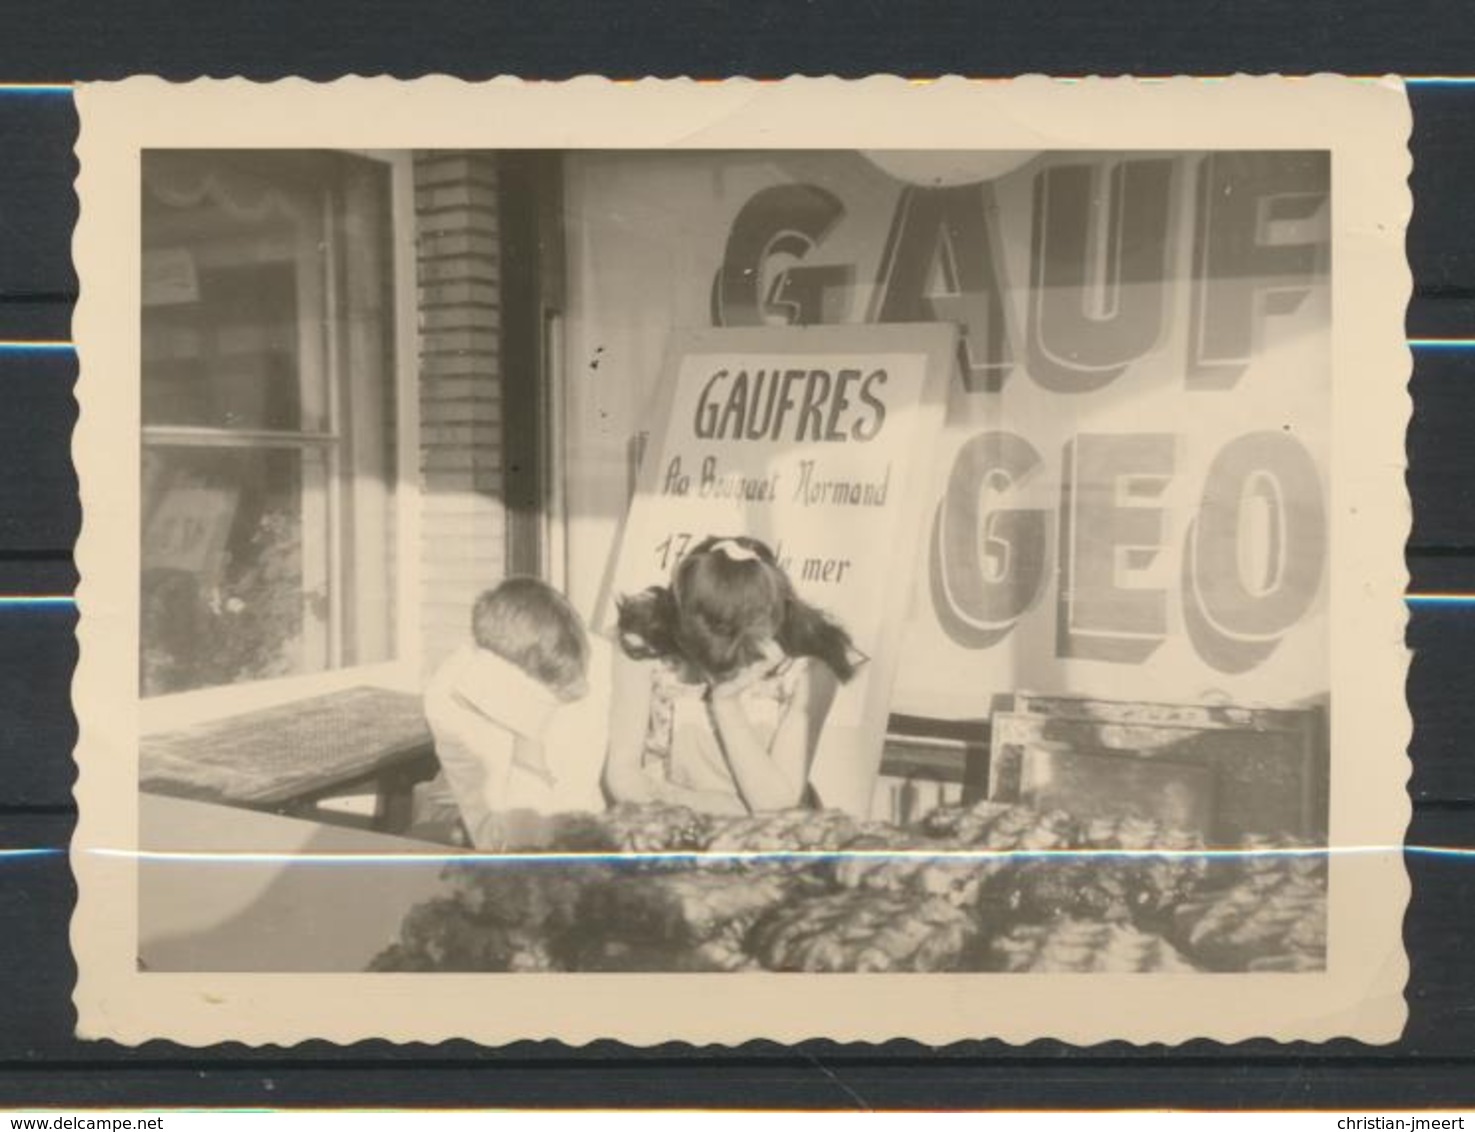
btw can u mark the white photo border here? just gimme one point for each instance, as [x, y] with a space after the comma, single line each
[1364, 123]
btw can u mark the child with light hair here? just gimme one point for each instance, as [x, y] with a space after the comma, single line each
[520, 715]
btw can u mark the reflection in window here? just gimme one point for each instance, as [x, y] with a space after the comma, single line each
[268, 417]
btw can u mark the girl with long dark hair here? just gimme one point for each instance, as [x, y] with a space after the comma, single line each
[722, 685]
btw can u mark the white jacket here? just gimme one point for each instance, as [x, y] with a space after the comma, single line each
[507, 744]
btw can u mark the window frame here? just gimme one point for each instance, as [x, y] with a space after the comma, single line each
[403, 669]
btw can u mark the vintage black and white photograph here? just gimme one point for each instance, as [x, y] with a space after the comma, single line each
[744, 560]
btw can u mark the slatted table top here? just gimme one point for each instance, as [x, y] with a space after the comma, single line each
[277, 754]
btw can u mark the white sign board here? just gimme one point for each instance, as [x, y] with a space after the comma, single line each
[817, 442]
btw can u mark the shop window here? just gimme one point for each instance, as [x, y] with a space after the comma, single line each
[269, 423]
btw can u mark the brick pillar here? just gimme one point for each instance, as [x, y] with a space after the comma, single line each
[463, 519]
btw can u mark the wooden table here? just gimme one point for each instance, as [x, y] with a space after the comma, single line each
[269, 893]
[288, 758]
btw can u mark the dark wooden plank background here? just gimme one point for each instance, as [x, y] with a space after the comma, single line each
[40, 1062]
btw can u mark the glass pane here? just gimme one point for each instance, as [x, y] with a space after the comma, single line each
[234, 296]
[229, 359]
[235, 566]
